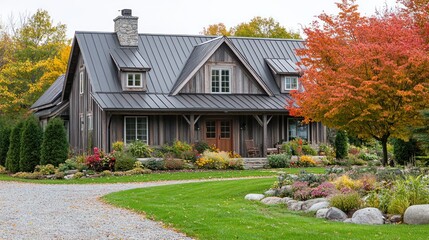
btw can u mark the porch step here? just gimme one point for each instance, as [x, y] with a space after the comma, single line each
[255, 163]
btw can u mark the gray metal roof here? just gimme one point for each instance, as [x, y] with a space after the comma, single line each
[51, 96]
[282, 65]
[129, 59]
[191, 102]
[169, 59]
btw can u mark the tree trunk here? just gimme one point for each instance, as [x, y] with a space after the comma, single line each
[384, 145]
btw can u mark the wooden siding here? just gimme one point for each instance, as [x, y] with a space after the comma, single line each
[241, 80]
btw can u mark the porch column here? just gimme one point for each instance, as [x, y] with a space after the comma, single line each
[264, 135]
[192, 128]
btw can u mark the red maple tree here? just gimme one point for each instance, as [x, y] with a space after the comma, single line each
[366, 75]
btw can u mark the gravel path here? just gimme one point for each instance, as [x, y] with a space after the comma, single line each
[39, 211]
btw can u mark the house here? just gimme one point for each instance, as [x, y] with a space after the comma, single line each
[123, 86]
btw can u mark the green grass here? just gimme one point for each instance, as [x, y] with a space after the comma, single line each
[217, 210]
[165, 176]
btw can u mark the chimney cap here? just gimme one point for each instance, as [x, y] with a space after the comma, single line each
[126, 12]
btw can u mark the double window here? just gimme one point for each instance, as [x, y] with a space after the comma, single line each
[221, 80]
[297, 129]
[136, 128]
[290, 83]
[134, 80]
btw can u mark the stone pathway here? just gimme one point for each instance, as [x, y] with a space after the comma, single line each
[40, 211]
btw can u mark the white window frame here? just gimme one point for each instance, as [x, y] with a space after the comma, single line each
[82, 122]
[290, 78]
[220, 79]
[134, 80]
[90, 124]
[81, 82]
[147, 128]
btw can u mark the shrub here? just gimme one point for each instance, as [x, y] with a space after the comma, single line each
[28, 175]
[138, 164]
[301, 191]
[179, 147]
[346, 202]
[235, 163]
[174, 164]
[118, 146]
[2, 170]
[55, 145]
[72, 164]
[380, 200]
[306, 161]
[287, 148]
[341, 144]
[139, 149]
[47, 169]
[138, 171]
[154, 164]
[308, 150]
[407, 192]
[213, 160]
[12, 159]
[31, 140]
[310, 178]
[345, 182]
[100, 161]
[201, 146]
[190, 155]
[4, 144]
[323, 190]
[78, 175]
[278, 160]
[123, 161]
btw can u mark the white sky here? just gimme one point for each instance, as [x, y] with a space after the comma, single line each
[178, 16]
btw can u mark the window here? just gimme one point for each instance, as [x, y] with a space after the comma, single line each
[221, 80]
[297, 129]
[136, 128]
[90, 123]
[210, 129]
[134, 80]
[82, 123]
[81, 82]
[291, 83]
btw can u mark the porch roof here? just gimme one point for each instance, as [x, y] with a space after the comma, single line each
[191, 102]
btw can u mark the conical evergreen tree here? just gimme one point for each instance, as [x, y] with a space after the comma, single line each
[54, 146]
[12, 159]
[31, 140]
[341, 148]
[4, 144]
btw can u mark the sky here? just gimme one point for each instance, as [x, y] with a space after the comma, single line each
[178, 16]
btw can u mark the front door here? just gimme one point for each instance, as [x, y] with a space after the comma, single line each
[219, 134]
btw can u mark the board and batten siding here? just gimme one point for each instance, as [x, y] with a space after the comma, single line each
[241, 80]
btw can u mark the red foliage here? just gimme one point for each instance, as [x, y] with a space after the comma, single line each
[100, 161]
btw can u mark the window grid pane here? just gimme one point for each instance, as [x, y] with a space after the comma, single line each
[210, 129]
[215, 80]
[225, 129]
[136, 128]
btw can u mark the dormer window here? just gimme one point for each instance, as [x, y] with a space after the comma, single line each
[221, 80]
[134, 80]
[290, 83]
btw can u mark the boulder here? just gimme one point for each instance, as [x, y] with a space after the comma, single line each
[254, 197]
[395, 219]
[285, 190]
[321, 213]
[69, 176]
[347, 220]
[285, 200]
[272, 200]
[335, 214]
[315, 207]
[69, 172]
[307, 204]
[294, 205]
[270, 192]
[370, 216]
[417, 214]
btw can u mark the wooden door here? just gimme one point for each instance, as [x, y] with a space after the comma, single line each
[219, 133]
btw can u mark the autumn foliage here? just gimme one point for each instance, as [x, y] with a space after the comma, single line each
[366, 75]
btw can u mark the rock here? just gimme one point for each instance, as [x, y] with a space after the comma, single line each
[51, 176]
[321, 213]
[69, 172]
[347, 220]
[272, 200]
[270, 192]
[295, 205]
[395, 219]
[286, 190]
[335, 214]
[315, 207]
[251, 196]
[287, 199]
[417, 214]
[69, 176]
[307, 204]
[370, 216]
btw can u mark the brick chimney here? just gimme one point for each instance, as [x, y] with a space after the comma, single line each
[126, 28]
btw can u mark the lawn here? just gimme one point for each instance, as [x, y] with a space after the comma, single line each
[217, 210]
[166, 176]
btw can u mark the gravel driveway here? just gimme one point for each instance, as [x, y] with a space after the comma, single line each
[39, 211]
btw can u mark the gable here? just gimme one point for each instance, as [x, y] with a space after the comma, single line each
[242, 82]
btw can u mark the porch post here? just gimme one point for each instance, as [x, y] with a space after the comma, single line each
[264, 135]
[192, 128]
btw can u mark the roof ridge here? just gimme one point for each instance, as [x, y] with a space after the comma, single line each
[209, 41]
